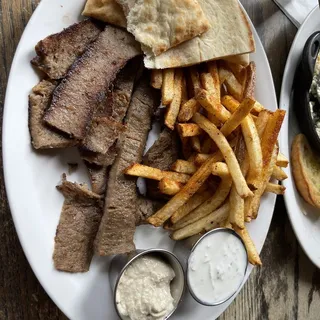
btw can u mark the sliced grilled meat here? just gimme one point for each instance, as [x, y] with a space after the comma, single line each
[78, 95]
[78, 225]
[117, 227]
[56, 53]
[43, 137]
[98, 177]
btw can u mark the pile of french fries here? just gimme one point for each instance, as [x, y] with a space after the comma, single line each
[230, 149]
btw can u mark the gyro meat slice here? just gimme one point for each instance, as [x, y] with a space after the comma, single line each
[56, 53]
[42, 136]
[77, 96]
[79, 221]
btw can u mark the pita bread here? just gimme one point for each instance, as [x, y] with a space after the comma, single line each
[229, 35]
[162, 24]
[105, 10]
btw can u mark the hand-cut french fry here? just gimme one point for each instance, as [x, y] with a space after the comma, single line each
[223, 72]
[270, 135]
[237, 70]
[156, 78]
[188, 130]
[169, 187]
[167, 86]
[275, 188]
[254, 202]
[227, 224]
[192, 186]
[207, 223]
[253, 145]
[209, 102]
[251, 81]
[213, 69]
[184, 166]
[208, 206]
[236, 215]
[195, 201]
[220, 169]
[232, 104]
[226, 150]
[207, 82]
[195, 143]
[237, 117]
[139, 170]
[214, 88]
[230, 81]
[279, 174]
[184, 95]
[262, 121]
[282, 161]
[201, 158]
[174, 107]
[188, 109]
[194, 81]
[253, 255]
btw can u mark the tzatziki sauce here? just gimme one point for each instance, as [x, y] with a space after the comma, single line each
[143, 291]
[216, 267]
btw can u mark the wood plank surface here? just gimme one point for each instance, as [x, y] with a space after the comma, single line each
[286, 287]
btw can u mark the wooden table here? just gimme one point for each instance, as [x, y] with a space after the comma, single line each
[286, 287]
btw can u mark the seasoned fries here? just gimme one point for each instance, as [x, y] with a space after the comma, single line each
[169, 187]
[250, 84]
[275, 188]
[188, 130]
[252, 140]
[209, 102]
[230, 151]
[205, 224]
[282, 161]
[194, 77]
[237, 117]
[251, 248]
[220, 169]
[195, 201]
[188, 109]
[174, 107]
[279, 174]
[192, 186]
[139, 170]
[236, 216]
[156, 79]
[226, 150]
[167, 86]
[184, 166]
[206, 207]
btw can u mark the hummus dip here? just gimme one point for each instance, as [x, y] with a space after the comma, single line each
[143, 291]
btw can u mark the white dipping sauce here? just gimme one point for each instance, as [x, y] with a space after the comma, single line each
[143, 292]
[217, 267]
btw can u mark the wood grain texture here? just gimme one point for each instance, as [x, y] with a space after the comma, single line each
[286, 287]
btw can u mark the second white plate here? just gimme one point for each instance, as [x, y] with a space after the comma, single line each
[304, 218]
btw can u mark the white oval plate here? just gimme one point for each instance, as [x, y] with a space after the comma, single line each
[35, 204]
[304, 218]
